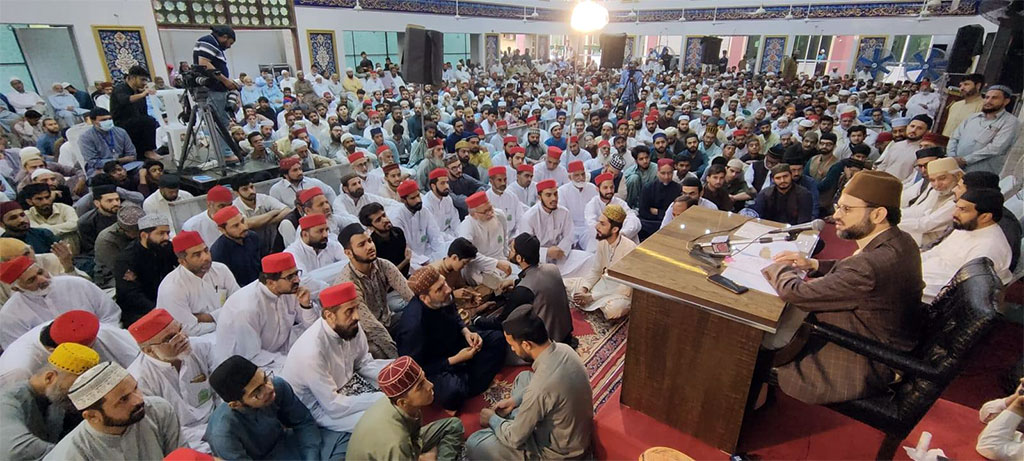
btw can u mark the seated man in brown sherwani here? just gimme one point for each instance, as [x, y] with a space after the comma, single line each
[873, 293]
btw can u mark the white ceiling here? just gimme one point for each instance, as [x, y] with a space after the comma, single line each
[616, 5]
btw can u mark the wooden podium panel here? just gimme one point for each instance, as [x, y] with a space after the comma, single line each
[692, 344]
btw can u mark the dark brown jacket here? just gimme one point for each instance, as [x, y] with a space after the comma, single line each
[875, 293]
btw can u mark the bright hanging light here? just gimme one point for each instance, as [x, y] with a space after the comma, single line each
[588, 16]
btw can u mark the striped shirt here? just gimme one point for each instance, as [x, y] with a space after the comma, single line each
[208, 47]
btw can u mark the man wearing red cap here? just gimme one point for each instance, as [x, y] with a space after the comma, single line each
[552, 225]
[39, 297]
[392, 427]
[424, 238]
[503, 199]
[330, 353]
[216, 198]
[486, 227]
[607, 196]
[176, 368]
[293, 180]
[29, 352]
[262, 319]
[314, 248]
[195, 290]
[646, 134]
[574, 196]
[551, 168]
[139, 269]
[439, 205]
[521, 187]
[384, 180]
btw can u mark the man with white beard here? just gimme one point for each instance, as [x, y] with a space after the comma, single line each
[606, 196]
[504, 200]
[486, 227]
[552, 225]
[574, 196]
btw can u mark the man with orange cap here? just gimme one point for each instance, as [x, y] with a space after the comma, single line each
[27, 353]
[39, 297]
[392, 428]
[194, 291]
[551, 168]
[315, 249]
[330, 353]
[502, 199]
[553, 227]
[33, 412]
[262, 319]
[177, 368]
[216, 198]
[574, 196]
[140, 268]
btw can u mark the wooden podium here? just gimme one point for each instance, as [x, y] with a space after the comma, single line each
[692, 344]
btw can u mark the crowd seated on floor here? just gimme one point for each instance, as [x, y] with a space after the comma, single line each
[469, 220]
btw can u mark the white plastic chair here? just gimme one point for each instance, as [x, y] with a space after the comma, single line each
[70, 155]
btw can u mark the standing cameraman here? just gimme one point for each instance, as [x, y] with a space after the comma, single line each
[129, 111]
[209, 53]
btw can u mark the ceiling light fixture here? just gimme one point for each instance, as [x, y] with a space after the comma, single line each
[588, 16]
[357, 7]
[682, 15]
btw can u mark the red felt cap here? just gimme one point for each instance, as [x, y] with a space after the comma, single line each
[287, 163]
[739, 133]
[477, 199]
[11, 270]
[479, 131]
[407, 187]
[884, 136]
[495, 171]
[558, 98]
[604, 143]
[306, 195]
[666, 161]
[502, 123]
[508, 139]
[379, 150]
[635, 114]
[150, 324]
[77, 326]
[399, 376]
[813, 118]
[574, 139]
[355, 156]
[524, 168]
[622, 122]
[935, 138]
[185, 240]
[641, 104]
[188, 454]
[371, 113]
[312, 220]
[575, 165]
[531, 119]
[603, 177]
[517, 150]
[846, 115]
[338, 294]
[434, 143]
[554, 152]
[277, 263]
[219, 194]
[298, 129]
[546, 184]
[438, 173]
[223, 215]
[651, 118]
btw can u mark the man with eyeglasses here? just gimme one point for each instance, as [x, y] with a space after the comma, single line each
[175, 367]
[263, 319]
[260, 417]
[869, 294]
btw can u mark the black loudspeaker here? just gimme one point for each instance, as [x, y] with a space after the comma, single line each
[613, 50]
[423, 55]
[710, 47]
[966, 46]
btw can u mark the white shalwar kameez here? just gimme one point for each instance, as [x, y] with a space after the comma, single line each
[261, 326]
[442, 211]
[183, 295]
[575, 200]
[510, 206]
[555, 228]
[595, 207]
[25, 310]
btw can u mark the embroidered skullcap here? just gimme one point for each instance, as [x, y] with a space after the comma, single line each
[424, 278]
[95, 383]
[399, 376]
[617, 162]
[150, 221]
[943, 165]
[615, 213]
[73, 358]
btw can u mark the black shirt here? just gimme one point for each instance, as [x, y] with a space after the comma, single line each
[89, 226]
[392, 247]
[138, 272]
[243, 260]
[122, 110]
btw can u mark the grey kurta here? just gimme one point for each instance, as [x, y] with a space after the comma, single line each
[150, 439]
[27, 431]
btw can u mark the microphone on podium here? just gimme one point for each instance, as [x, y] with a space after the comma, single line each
[817, 225]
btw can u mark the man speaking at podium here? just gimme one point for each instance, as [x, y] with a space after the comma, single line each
[873, 293]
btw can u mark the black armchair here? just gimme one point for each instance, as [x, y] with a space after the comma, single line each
[962, 314]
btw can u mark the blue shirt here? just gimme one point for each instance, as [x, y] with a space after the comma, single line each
[45, 144]
[556, 142]
[99, 147]
[260, 433]
[243, 260]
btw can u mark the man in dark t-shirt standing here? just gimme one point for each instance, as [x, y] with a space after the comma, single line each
[389, 240]
[208, 52]
[128, 109]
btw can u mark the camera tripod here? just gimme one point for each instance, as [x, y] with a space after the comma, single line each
[202, 118]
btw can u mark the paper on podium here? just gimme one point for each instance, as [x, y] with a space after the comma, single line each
[745, 267]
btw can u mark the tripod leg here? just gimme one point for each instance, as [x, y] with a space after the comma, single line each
[190, 138]
[215, 140]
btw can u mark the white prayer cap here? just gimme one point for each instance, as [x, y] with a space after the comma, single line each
[502, 104]
[64, 84]
[553, 125]
[14, 79]
[706, 112]
[684, 117]
[844, 92]
[807, 123]
[152, 220]
[95, 383]
[346, 137]
[297, 143]
[39, 172]
[266, 123]
[671, 131]
[607, 124]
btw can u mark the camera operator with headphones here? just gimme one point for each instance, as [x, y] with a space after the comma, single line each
[209, 53]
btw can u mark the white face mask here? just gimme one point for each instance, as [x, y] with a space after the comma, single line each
[107, 125]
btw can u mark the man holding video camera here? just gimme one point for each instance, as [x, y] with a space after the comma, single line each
[209, 53]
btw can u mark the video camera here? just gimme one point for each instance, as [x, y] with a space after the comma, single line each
[196, 77]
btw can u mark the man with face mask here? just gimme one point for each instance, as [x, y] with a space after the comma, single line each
[314, 249]
[112, 405]
[175, 367]
[324, 358]
[104, 142]
[550, 413]
[129, 110]
[39, 297]
[887, 261]
[194, 291]
[462, 363]
[424, 238]
[34, 411]
[244, 328]
[384, 291]
[140, 268]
